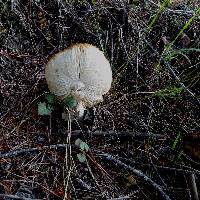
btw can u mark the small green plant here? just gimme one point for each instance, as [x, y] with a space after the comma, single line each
[51, 98]
[186, 26]
[169, 92]
[44, 109]
[81, 2]
[51, 103]
[175, 53]
[156, 16]
[168, 50]
[69, 101]
[81, 157]
[134, 2]
[176, 141]
[176, 148]
[84, 148]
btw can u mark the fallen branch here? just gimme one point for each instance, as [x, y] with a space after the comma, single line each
[10, 196]
[78, 133]
[85, 185]
[20, 152]
[120, 134]
[137, 172]
[188, 170]
[193, 186]
[184, 171]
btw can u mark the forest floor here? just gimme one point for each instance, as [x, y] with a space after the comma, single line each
[145, 140]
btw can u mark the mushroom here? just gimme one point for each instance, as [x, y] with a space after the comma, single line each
[82, 72]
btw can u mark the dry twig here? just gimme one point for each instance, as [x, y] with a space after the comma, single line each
[10, 196]
[137, 172]
[19, 152]
[193, 186]
[119, 134]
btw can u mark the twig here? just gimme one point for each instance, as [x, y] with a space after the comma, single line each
[76, 133]
[182, 12]
[93, 177]
[17, 127]
[27, 180]
[84, 184]
[15, 197]
[128, 196]
[19, 152]
[138, 173]
[122, 198]
[186, 171]
[193, 186]
[68, 159]
[174, 11]
[99, 167]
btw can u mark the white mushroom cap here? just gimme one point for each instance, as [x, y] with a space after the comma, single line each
[81, 71]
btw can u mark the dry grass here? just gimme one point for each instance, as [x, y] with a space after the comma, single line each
[148, 122]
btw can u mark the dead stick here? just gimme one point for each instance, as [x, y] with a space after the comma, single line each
[138, 173]
[120, 134]
[193, 186]
[19, 152]
[10, 196]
